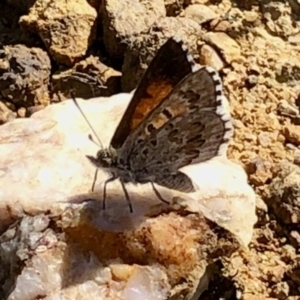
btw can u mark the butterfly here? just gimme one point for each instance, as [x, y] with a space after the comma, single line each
[175, 118]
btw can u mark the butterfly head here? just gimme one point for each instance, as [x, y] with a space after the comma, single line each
[104, 159]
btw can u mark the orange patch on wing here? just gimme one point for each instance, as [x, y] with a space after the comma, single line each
[161, 119]
[155, 94]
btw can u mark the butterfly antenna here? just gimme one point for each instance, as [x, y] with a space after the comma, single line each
[95, 142]
[91, 127]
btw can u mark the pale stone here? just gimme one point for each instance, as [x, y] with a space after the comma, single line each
[199, 13]
[43, 160]
[44, 168]
[228, 47]
[210, 57]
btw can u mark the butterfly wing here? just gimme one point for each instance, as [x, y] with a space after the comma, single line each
[169, 66]
[190, 126]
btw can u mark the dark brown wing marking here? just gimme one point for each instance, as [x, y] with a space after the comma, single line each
[170, 65]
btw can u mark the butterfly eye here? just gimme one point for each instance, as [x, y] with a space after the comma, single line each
[101, 154]
[105, 155]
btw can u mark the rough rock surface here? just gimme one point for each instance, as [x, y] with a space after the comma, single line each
[124, 20]
[66, 27]
[141, 51]
[89, 78]
[24, 76]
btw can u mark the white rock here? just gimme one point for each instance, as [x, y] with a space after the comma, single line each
[43, 164]
[199, 13]
[43, 161]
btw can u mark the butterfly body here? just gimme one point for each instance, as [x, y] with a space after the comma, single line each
[109, 161]
[175, 118]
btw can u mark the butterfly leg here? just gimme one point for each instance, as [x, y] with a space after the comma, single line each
[126, 196]
[104, 190]
[158, 195]
[95, 179]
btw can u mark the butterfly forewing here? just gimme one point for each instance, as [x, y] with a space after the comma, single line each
[166, 70]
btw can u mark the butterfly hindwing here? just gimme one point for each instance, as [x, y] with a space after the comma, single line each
[166, 70]
[190, 126]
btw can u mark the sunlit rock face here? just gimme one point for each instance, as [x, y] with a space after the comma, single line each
[65, 246]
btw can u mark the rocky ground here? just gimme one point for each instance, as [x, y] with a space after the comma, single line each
[99, 49]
